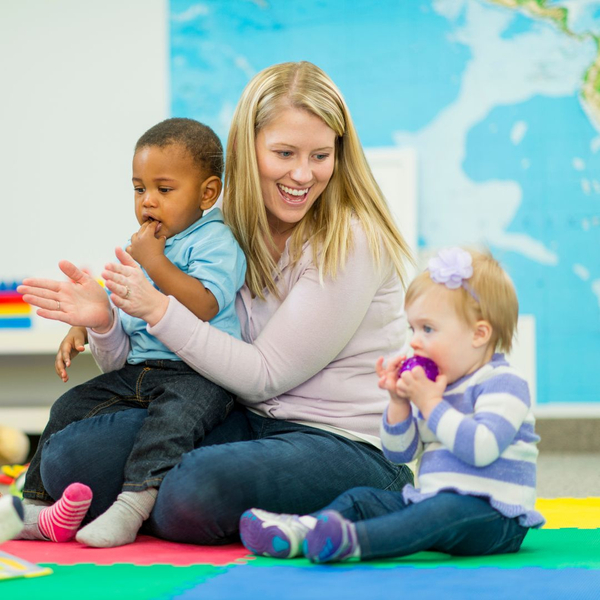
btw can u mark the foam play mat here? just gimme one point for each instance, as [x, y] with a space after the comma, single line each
[560, 561]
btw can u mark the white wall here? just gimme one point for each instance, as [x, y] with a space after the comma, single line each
[80, 82]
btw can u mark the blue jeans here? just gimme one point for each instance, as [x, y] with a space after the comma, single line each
[181, 407]
[247, 461]
[387, 526]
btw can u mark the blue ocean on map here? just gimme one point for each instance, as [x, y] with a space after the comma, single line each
[552, 210]
[400, 64]
[403, 44]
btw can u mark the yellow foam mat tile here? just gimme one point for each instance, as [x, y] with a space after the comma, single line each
[580, 513]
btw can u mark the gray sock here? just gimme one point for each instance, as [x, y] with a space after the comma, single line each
[33, 502]
[121, 522]
[31, 512]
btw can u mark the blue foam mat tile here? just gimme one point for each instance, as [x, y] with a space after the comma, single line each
[364, 582]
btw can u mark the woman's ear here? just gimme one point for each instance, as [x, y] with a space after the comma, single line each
[210, 192]
[482, 333]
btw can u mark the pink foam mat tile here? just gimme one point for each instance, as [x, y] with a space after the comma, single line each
[145, 551]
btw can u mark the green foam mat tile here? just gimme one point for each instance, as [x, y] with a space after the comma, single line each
[113, 582]
[546, 548]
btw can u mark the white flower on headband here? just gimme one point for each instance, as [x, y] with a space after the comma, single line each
[451, 267]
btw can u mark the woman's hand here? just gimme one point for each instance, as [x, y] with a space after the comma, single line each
[79, 301]
[73, 343]
[131, 290]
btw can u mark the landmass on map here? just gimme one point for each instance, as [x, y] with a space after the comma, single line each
[559, 15]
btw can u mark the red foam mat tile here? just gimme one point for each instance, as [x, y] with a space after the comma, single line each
[144, 552]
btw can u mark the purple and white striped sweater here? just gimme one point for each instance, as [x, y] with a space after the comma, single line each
[479, 441]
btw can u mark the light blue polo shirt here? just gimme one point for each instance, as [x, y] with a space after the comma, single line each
[207, 251]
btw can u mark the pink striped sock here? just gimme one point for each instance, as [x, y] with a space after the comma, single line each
[61, 521]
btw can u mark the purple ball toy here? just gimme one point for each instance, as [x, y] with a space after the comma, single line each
[430, 368]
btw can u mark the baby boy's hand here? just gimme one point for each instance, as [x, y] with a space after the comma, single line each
[145, 246]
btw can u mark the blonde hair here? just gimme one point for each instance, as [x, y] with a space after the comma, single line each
[497, 299]
[352, 189]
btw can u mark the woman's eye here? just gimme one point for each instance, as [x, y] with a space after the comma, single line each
[321, 157]
[285, 153]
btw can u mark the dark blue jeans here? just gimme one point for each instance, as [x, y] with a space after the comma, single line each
[387, 526]
[181, 407]
[247, 461]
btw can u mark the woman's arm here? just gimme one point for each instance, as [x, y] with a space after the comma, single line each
[305, 334]
[110, 349]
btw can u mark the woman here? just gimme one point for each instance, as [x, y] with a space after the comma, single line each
[322, 301]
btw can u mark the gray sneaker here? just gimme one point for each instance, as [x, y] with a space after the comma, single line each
[272, 534]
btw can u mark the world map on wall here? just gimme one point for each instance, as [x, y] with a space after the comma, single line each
[501, 100]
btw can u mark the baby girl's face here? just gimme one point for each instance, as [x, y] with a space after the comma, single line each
[441, 335]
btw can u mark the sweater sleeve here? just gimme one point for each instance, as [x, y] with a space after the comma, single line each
[110, 349]
[478, 439]
[400, 442]
[306, 332]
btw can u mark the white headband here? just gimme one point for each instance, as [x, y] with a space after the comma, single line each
[452, 267]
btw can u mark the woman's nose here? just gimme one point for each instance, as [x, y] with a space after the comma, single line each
[301, 172]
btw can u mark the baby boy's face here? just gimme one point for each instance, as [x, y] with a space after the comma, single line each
[167, 187]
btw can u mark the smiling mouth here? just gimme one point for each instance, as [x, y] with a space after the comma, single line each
[293, 195]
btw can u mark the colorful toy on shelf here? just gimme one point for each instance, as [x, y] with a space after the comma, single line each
[430, 368]
[15, 313]
[12, 478]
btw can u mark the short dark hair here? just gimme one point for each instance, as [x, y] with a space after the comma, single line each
[201, 141]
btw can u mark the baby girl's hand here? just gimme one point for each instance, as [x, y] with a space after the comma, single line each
[399, 409]
[422, 392]
[388, 373]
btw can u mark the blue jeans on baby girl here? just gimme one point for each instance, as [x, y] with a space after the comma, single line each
[386, 526]
[182, 406]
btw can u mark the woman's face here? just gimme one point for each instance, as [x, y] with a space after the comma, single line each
[296, 156]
